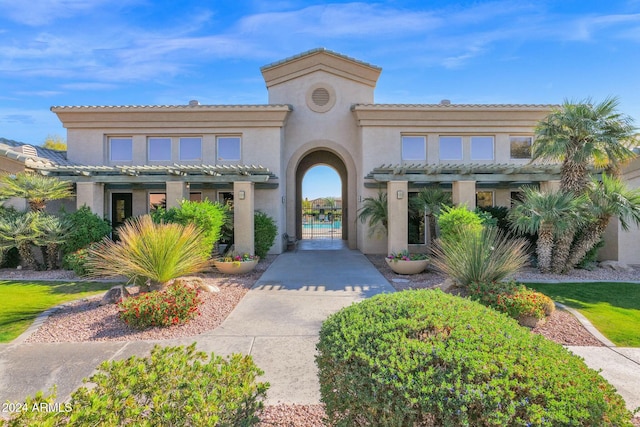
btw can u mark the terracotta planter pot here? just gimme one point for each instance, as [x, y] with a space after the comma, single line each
[236, 267]
[407, 267]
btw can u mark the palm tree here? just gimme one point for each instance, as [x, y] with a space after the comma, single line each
[374, 211]
[549, 215]
[429, 202]
[583, 134]
[22, 231]
[609, 198]
[54, 231]
[37, 189]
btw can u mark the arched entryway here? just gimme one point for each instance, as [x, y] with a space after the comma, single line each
[322, 157]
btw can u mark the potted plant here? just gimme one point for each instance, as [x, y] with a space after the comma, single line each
[405, 263]
[236, 264]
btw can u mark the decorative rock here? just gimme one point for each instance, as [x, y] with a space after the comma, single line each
[531, 321]
[400, 280]
[615, 265]
[447, 285]
[210, 288]
[114, 295]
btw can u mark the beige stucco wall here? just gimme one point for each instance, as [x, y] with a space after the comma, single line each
[620, 245]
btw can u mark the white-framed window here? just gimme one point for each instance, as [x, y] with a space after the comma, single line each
[450, 148]
[520, 147]
[414, 148]
[120, 149]
[228, 148]
[191, 148]
[484, 199]
[159, 149]
[482, 148]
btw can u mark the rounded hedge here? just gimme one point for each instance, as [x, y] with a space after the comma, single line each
[429, 358]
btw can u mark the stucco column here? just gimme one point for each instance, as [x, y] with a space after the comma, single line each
[398, 211]
[464, 192]
[177, 191]
[243, 226]
[92, 195]
[549, 186]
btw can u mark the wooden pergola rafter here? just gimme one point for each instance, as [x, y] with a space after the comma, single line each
[479, 172]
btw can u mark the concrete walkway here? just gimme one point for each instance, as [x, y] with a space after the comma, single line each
[277, 322]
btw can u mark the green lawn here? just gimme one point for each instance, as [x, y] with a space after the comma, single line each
[613, 308]
[21, 301]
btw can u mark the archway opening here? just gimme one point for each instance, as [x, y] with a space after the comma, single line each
[322, 199]
[321, 204]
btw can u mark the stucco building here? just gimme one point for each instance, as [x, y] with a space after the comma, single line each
[321, 110]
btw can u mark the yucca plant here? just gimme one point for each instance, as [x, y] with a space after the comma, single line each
[150, 253]
[483, 256]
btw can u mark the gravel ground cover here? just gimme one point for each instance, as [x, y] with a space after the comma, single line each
[86, 321]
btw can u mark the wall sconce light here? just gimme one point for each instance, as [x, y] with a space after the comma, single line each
[188, 186]
[241, 195]
[283, 200]
[400, 194]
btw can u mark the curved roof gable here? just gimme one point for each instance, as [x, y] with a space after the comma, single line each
[320, 60]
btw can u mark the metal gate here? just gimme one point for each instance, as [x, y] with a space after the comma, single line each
[322, 219]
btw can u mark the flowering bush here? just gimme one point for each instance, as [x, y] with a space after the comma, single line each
[174, 306]
[77, 261]
[512, 299]
[234, 257]
[406, 256]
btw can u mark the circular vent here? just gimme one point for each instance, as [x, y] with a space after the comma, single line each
[321, 97]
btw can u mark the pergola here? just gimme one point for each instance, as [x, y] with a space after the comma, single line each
[177, 180]
[463, 179]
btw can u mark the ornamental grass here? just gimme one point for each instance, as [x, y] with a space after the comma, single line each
[483, 256]
[150, 253]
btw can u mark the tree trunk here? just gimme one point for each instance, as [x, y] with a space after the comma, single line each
[52, 256]
[24, 249]
[589, 238]
[544, 248]
[574, 177]
[561, 251]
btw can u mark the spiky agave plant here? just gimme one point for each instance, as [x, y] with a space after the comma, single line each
[484, 256]
[150, 253]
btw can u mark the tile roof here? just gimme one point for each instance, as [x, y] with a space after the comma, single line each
[172, 107]
[314, 51]
[452, 106]
[10, 148]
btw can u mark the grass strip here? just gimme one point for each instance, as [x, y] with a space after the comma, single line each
[22, 301]
[612, 307]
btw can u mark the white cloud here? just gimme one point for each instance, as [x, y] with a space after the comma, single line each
[40, 12]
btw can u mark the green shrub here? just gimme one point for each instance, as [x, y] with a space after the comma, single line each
[511, 298]
[428, 358]
[77, 261]
[150, 253]
[207, 215]
[453, 219]
[85, 228]
[174, 386]
[265, 232]
[175, 305]
[482, 256]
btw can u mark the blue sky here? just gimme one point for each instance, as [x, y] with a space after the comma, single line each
[148, 52]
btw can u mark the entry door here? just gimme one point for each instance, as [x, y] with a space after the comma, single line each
[121, 209]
